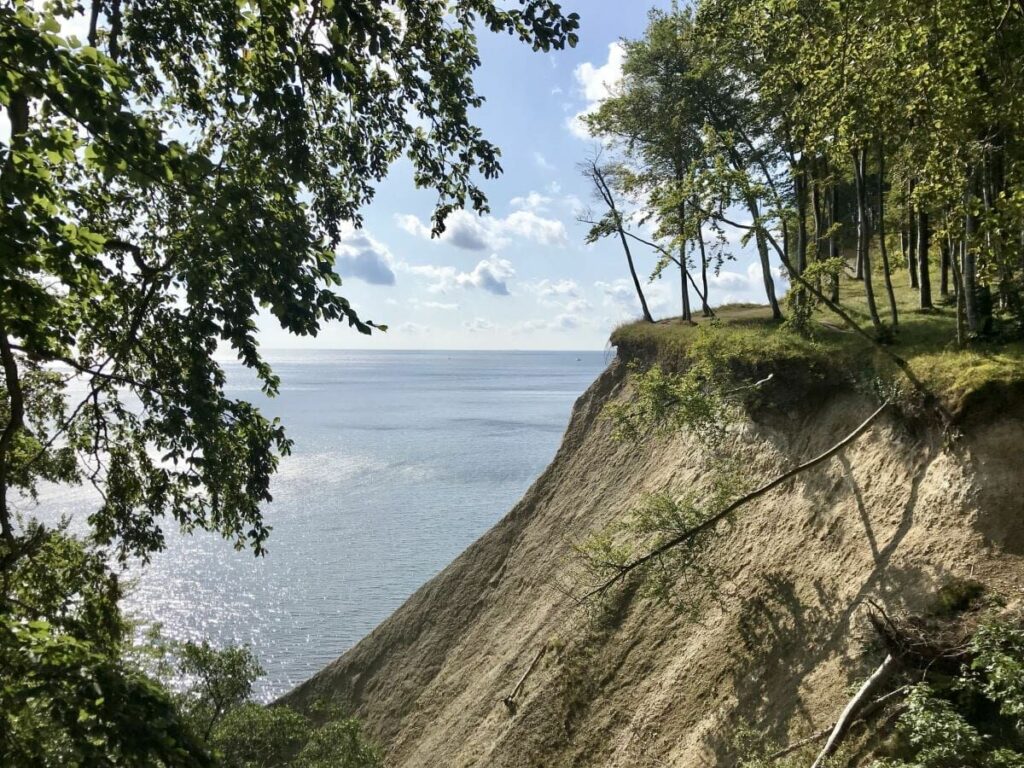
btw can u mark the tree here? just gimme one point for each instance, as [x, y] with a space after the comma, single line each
[652, 119]
[612, 222]
[170, 182]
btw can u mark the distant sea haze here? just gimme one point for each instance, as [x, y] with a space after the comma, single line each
[401, 460]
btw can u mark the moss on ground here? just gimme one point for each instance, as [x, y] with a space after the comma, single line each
[746, 335]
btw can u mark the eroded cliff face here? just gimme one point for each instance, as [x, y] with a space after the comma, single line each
[778, 645]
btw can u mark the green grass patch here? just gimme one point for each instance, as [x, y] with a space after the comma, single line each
[747, 337]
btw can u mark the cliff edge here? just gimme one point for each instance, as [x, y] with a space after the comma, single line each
[777, 646]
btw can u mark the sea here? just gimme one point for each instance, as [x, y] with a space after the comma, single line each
[401, 460]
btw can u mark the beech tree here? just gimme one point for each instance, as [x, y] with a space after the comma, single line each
[612, 222]
[170, 177]
[910, 110]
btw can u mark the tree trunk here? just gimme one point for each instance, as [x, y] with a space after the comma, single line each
[958, 284]
[833, 239]
[857, 703]
[705, 306]
[911, 237]
[893, 312]
[970, 267]
[801, 216]
[683, 271]
[762, 252]
[924, 277]
[860, 158]
[944, 257]
[636, 280]
[817, 210]
[596, 174]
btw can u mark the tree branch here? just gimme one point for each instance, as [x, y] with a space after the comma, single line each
[712, 521]
[855, 704]
[15, 421]
[700, 294]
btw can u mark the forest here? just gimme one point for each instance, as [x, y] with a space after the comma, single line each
[879, 138]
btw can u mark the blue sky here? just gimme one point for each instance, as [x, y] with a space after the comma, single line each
[521, 277]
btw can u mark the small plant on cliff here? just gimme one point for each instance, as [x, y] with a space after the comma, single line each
[666, 402]
[682, 576]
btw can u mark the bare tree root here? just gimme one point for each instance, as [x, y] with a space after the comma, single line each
[625, 570]
[926, 643]
[855, 705]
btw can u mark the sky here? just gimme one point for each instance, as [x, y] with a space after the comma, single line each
[522, 276]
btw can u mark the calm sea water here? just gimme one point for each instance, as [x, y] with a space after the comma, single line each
[401, 460]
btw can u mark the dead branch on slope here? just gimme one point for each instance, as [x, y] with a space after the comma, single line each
[510, 700]
[855, 705]
[622, 571]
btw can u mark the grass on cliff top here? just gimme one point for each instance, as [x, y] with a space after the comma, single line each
[925, 338]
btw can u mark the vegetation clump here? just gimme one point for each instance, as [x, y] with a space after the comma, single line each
[745, 340]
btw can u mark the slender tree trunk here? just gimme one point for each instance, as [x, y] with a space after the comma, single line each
[833, 238]
[958, 286]
[759, 238]
[924, 276]
[705, 306]
[766, 265]
[636, 280]
[893, 312]
[864, 235]
[683, 270]
[944, 257]
[970, 266]
[911, 237]
[857, 703]
[596, 175]
[801, 215]
[817, 208]
[15, 422]
[18, 114]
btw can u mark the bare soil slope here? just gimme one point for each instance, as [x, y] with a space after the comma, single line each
[893, 516]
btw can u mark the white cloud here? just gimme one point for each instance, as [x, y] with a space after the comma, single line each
[568, 307]
[411, 329]
[412, 225]
[542, 162]
[360, 256]
[563, 321]
[576, 306]
[435, 305]
[730, 286]
[539, 202]
[480, 233]
[530, 226]
[596, 85]
[620, 297]
[533, 201]
[478, 325]
[617, 293]
[554, 289]
[491, 275]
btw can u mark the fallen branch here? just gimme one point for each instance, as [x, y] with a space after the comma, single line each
[625, 570]
[755, 385]
[879, 676]
[510, 700]
[866, 712]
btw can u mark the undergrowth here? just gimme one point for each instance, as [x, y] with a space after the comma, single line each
[820, 346]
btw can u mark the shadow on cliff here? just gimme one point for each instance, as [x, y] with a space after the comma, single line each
[790, 627]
